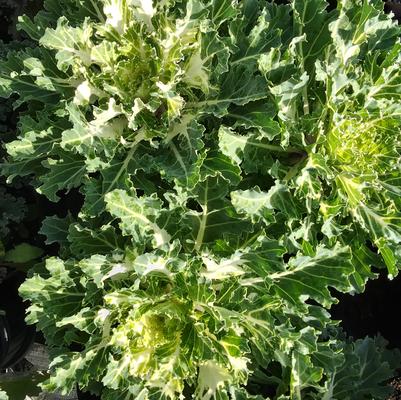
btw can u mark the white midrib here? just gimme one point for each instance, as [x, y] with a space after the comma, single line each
[203, 222]
[202, 229]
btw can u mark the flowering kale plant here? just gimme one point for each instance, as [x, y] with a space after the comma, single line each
[240, 163]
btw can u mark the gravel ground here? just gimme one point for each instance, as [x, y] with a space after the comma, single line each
[396, 384]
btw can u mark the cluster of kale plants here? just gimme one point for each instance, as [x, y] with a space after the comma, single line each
[17, 210]
[239, 163]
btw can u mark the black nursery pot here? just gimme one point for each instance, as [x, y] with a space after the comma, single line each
[86, 396]
[16, 337]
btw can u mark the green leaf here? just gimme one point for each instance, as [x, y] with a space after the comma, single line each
[288, 94]
[71, 44]
[23, 253]
[312, 20]
[85, 241]
[16, 77]
[56, 229]
[259, 116]
[138, 216]
[254, 203]
[181, 156]
[66, 172]
[303, 276]
[367, 365]
[115, 175]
